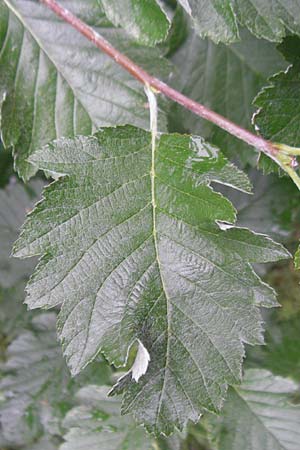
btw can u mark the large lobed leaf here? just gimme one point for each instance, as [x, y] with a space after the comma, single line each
[54, 82]
[268, 19]
[134, 252]
[259, 415]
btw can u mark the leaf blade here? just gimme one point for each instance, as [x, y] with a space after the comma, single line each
[130, 276]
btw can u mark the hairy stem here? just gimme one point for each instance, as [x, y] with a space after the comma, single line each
[144, 77]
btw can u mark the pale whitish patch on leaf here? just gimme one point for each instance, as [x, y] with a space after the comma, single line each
[141, 362]
[224, 226]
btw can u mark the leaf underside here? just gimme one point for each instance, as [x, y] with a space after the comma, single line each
[132, 250]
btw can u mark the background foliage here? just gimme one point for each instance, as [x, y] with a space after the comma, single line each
[180, 238]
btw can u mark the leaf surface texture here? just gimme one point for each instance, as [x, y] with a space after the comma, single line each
[132, 250]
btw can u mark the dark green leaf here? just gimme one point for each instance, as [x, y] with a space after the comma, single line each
[258, 415]
[278, 106]
[143, 19]
[6, 166]
[290, 48]
[278, 113]
[136, 253]
[54, 82]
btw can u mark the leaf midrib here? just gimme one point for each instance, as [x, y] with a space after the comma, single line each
[168, 333]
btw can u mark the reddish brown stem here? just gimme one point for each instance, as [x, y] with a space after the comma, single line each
[161, 87]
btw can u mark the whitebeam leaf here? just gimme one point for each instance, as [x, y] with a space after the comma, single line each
[258, 415]
[54, 82]
[131, 249]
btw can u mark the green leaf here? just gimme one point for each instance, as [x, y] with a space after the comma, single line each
[97, 423]
[136, 253]
[266, 19]
[281, 354]
[54, 82]
[143, 19]
[215, 19]
[290, 48]
[278, 114]
[226, 79]
[259, 415]
[15, 202]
